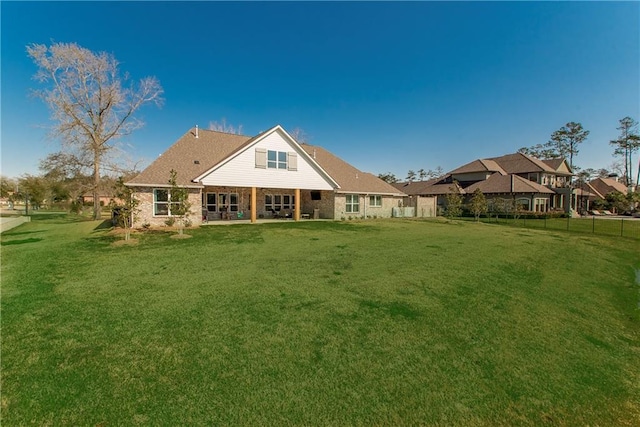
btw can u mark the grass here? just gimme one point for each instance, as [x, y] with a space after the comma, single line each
[615, 227]
[319, 323]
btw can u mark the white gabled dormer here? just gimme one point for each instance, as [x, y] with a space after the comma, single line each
[272, 159]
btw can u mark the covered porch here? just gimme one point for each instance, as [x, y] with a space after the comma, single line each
[253, 204]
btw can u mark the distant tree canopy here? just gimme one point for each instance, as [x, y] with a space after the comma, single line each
[388, 177]
[626, 145]
[563, 143]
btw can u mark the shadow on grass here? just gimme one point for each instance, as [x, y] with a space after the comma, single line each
[21, 233]
[104, 225]
[20, 242]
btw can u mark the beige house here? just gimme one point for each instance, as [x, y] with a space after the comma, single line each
[269, 175]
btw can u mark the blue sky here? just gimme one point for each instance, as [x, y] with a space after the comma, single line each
[385, 86]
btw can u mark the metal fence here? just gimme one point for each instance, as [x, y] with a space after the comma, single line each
[607, 226]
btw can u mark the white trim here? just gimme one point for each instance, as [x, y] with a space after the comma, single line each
[292, 141]
[128, 184]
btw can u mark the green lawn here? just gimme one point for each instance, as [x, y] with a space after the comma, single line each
[612, 226]
[393, 322]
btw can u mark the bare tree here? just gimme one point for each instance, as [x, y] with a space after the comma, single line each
[91, 104]
[300, 135]
[225, 127]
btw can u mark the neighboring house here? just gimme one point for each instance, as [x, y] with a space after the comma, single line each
[603, 186]
[427, 197]
[269, 175]
[88, 199]
[533, 184]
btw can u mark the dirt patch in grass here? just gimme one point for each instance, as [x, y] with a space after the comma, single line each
[181, 236]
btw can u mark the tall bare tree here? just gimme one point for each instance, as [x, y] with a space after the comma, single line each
[91, 103]
[627, 143]
[299, 135]
[223, 126]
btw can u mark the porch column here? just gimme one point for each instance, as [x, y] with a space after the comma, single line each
[253, 204]
[296, 212]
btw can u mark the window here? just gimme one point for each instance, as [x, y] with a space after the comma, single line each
[353, 203]
[540, 205]
[210, 202]
[316, 195]
[233, 202]
[278, 202]
[161, 202]
[523, 204]
[280, 160]
[375, 201]
[272, 159]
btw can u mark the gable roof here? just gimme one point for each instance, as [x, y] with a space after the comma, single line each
[432, 187]
[604, 186]
[521, 163]
[211, 148]
[349, 178]
[508, 184]
[480, 165]
[248, 144]
[208, 149]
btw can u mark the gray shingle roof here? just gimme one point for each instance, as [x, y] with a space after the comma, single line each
[480, 165]
[207, 150]
[605, 186]
[191, 157]
[428, 188]
[497, 183]
[350, 179]
[521, 163]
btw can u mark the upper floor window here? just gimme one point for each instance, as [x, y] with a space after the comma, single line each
[272, 159]
[276, 159]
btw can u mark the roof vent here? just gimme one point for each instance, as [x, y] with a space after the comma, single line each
[196, 131]
[196, 162]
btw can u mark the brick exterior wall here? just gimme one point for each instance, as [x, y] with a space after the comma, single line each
[365, 211]
[330, 206]
[145, 207]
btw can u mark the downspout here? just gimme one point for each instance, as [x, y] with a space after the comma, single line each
[366, 196]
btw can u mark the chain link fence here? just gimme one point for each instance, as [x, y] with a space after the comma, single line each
[606, 226]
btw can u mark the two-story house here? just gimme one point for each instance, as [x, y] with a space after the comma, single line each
[533, 184]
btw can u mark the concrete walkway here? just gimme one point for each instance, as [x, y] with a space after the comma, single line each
[7, 223]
